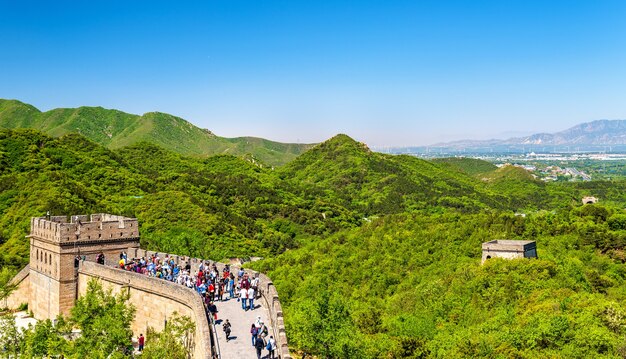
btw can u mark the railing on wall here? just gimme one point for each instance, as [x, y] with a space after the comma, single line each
[215, 344]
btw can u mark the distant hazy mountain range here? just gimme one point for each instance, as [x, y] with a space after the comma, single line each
[596, 133]
[114, 129]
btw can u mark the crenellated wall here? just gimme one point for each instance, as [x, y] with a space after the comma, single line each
[82, 228]
[155, 300]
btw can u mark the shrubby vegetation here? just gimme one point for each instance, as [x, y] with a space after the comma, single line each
[98, 327]
[373, 255]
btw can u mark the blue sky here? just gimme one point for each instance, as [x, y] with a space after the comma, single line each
[385, 72]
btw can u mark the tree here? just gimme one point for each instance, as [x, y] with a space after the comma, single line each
[104, 320]
[176, 341]
[6, 287]
[10, 336]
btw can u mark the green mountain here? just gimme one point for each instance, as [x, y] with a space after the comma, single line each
[116, 129]
[374, 183]
[374, 256]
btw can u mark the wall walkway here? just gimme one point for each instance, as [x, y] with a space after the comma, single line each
[269, 295]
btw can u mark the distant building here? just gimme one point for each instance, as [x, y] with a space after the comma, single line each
[509, 249]
[590, 200]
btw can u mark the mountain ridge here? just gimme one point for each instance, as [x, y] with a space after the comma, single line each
[115, 129]
[599, 133]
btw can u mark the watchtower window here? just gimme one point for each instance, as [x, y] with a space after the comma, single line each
[50, 258]
[45, 259]
[99, 235]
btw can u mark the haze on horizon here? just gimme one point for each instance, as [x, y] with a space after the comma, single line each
[387, 73]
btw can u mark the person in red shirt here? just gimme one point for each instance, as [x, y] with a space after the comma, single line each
[141, 342]
[212, 291]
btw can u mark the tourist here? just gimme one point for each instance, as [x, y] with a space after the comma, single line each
[251, 298]
[231, 285]
[259, 345]
[220, 290]
[141, 341]
[271, 346]
[226, 327]
[262, 332]
[100, 258]
[255, 283]
[254, 331]
[243, 295]
[213, 310]
[202, 288]
[245, 283]
[211, 290]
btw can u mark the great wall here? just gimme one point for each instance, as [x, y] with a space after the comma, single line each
[51, 282]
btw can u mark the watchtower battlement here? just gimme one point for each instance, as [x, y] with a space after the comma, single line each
[96, 227]
[56, 241]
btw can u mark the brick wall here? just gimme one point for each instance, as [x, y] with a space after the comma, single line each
[21, 294]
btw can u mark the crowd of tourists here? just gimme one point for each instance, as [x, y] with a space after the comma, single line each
[260, 341]
[207, 280]
[210, 284]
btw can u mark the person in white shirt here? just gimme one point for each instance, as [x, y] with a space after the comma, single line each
[243, 295]
[250, 298]
[271, 346]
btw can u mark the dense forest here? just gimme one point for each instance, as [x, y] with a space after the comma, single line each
[373, 255]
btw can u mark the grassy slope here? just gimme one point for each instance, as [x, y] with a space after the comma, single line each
[116, 129]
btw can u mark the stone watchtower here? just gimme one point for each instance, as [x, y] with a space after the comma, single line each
[54, 244]
[509, 249]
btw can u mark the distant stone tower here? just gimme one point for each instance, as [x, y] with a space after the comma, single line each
[54, 244]
[589, 200]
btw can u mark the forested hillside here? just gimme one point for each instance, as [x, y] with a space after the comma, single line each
[115, 129]
[373, 255]
[411, 286]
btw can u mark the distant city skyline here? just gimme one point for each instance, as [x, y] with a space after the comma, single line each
[401, 73]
